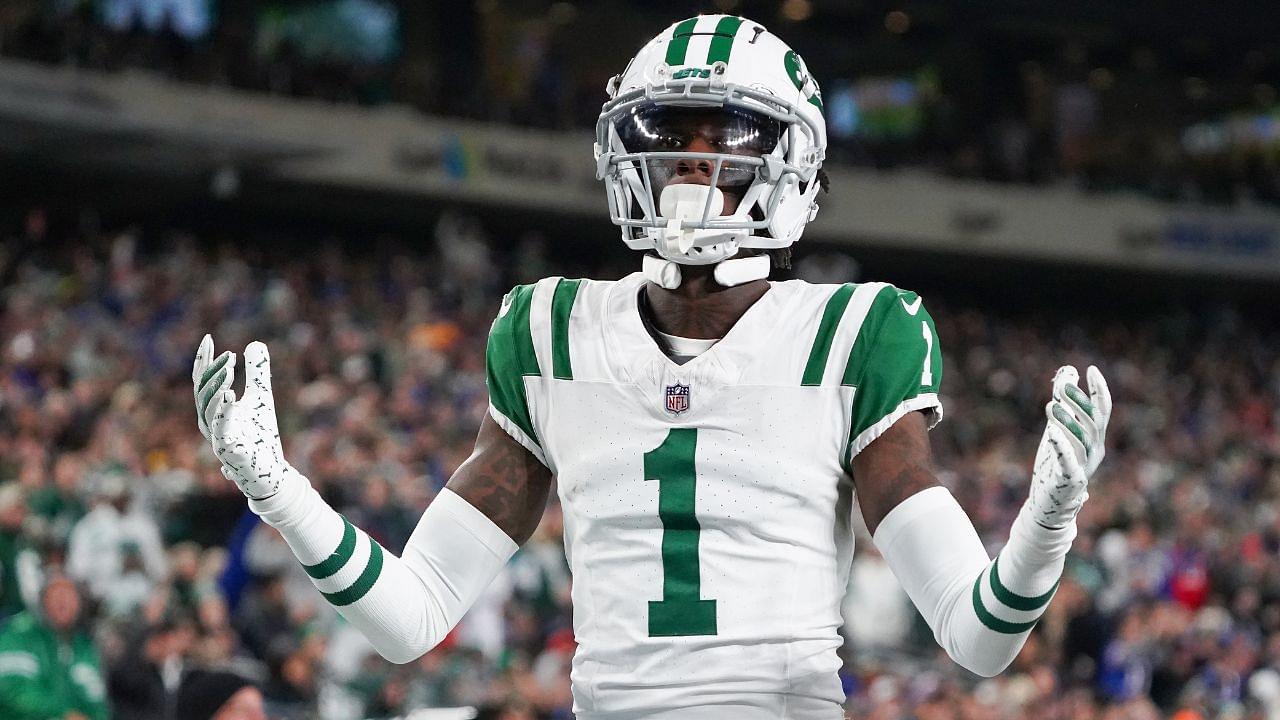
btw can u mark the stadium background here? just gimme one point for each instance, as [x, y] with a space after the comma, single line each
[356, 182]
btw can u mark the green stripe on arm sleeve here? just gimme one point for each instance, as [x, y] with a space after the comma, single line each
[364, 583]
[340, 556]
[992, 622]
[1013, 599]
[510, 357]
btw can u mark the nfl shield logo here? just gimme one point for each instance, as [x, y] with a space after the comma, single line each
[677, 398]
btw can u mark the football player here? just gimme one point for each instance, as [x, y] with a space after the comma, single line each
[706, 429]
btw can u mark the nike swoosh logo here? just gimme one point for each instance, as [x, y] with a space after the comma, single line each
[913, 308]
[506, 305]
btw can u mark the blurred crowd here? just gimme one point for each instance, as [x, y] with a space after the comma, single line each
[120, 540]
[1139, 96]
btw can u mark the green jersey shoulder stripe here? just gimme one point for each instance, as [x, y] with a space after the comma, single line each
[522, 336]
[722, 43]
[561, 307]
[679, 44]
[364, 583]
[510, 357]
[340, 556]
[865, 342]
[817, 364]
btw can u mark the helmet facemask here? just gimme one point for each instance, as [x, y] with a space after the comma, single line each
[763, 155]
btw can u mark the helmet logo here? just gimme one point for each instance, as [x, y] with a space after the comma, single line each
[691, 72]
[801, 78]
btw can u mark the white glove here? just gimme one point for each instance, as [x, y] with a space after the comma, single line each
[1071, 449]
[243, 432]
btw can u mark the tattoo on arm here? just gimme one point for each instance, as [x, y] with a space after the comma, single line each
[895, 466]
[504, 481]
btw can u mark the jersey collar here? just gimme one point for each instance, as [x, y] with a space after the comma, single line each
[638, 358]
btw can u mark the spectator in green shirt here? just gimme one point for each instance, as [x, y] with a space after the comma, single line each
[49, 668]
[13, 548]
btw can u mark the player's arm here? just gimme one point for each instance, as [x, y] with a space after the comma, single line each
[504, 481]
[405, 605]
[980, 610]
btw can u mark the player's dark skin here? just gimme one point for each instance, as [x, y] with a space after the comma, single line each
[507, 483]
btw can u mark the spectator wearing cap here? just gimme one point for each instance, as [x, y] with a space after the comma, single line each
[49, 667]
[207, 695]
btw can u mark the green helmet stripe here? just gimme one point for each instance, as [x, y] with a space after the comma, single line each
[722, 43]
[679, 44]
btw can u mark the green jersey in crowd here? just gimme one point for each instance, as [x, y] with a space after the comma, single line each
[45, 675]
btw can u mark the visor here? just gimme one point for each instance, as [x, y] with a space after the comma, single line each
[651, 127]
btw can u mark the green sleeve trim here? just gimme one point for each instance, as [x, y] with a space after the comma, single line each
[817, 364]
[1014, 600]
[561, 307]
[340, 556]
[510, 357]
[679, 44]
[722, 43]
[364, 583]
[992, 622]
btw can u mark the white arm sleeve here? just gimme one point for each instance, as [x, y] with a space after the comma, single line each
[403, 605]
[980, 610]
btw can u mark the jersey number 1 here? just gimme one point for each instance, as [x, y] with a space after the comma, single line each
[681, 611]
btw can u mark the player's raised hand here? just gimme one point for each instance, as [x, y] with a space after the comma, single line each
[1072, 447]
[243, 432]
[210, 377]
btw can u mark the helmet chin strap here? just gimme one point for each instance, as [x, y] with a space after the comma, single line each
[688, 201]
[731, 272]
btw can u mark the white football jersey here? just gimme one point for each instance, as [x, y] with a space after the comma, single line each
[707, 505]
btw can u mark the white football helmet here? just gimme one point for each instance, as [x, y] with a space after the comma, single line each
[751, 99]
